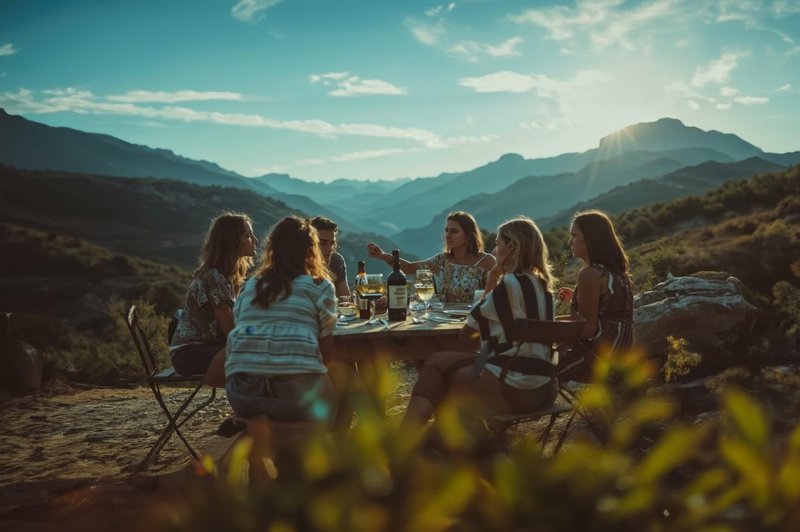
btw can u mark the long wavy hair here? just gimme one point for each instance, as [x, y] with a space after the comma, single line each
[470, 228]
[602, 243]
[221, 248]
[292, 249]
[532, 255]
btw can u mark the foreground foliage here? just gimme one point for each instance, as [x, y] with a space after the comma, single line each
[653, 471]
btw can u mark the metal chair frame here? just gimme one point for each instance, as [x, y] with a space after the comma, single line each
[548, 333]
[156, 378]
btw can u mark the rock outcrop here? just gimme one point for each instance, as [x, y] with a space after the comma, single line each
[710, 310]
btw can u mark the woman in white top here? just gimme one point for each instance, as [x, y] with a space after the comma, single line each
[461, 268]
[523, 257]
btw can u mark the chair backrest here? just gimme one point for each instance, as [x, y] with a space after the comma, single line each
[149, 362]
[173, 324]
[548, 332]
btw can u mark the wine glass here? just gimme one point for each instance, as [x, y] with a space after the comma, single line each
[423, 285]
[373, 290]
[347, 307]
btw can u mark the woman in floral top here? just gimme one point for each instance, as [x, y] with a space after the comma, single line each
[198, 345]
[461, 268]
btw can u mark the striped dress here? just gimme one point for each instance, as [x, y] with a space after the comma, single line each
[282, 339]
[615, 315]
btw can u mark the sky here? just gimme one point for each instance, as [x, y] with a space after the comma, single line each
[323, 89]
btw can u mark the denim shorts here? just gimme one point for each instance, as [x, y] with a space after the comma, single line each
[303, 397]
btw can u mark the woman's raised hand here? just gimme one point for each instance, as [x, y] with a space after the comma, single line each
[374, 251]
[565, 294]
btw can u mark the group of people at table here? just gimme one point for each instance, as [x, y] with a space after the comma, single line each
[268, 339]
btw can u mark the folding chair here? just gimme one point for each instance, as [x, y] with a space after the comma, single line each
[156, 378]
[549, 333]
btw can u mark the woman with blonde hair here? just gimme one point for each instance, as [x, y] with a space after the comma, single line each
[517, 376]
[462, 266]
[603, 295]
[198, 345]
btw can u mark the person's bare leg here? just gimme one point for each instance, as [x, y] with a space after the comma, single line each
[261, 467]
[418, 413]
[215, 374]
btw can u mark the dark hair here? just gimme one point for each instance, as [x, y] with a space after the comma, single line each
[221, 247]
[292, 249]
[602, 243]
[322, 223]
[470, 228]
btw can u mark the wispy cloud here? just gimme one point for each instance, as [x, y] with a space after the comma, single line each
[141, 96]
[751, 100]
[426, 33]
[717, 71]
[728, 91]
[353, 156]
[784, 88]
[432, 12]
[506, 49]
[7, 49]
[508, 81]
[347, 85]
[251, 10]
[84, 102]
[605, 21]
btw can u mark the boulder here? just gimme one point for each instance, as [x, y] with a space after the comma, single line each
[22, 364]
[710, 310]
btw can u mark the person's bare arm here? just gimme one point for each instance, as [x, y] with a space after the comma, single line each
[342, 289]
[589, 285]
[492, 279]
[374, 251]
[224, 316]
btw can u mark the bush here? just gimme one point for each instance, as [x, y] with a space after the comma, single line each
[725, 474]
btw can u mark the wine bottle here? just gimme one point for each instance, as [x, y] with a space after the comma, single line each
[396, 288]
[360, 287]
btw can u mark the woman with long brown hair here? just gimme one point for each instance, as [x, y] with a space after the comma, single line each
[603, 295]
[462, 266]
[198, 345]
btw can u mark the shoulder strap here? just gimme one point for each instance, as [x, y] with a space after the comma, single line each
[480, 258]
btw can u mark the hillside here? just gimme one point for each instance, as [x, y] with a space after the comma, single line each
[692, 180]
[29, 145]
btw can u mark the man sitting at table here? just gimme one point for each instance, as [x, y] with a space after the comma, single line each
[328, 230]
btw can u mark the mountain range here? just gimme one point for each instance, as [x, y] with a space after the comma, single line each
[632, 167]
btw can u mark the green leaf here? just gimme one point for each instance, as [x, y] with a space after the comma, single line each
[748, 418]
[674, 448]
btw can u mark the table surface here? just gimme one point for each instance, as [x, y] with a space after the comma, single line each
[359, 329]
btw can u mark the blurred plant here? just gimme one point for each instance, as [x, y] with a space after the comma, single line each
[680, 360]
[654, 473]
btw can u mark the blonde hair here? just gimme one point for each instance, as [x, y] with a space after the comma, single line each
[529, 252]
[292, 250]
[221, 248]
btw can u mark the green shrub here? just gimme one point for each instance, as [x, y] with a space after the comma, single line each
[654, 473]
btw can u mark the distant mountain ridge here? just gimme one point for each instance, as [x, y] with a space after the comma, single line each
[30, 145]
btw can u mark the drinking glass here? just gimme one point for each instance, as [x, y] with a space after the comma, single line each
[437, 302]
[417, 308]
[423, 284]
[347, 306]
[372, 291]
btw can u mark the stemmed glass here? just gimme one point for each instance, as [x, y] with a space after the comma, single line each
[424, 287]
[372, 291]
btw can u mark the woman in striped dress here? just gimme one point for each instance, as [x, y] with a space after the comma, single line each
[603, 295]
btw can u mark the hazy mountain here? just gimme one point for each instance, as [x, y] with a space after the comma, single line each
[415, 201]
[30, 145]
[334, 192]
[156, 219]
[672, 134]
[539, 196]
[693, 180]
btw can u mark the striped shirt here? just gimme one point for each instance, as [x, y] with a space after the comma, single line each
[282, 339]
[516, 301]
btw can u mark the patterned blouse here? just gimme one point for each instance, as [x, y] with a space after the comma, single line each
[197, 324]
[456, 281]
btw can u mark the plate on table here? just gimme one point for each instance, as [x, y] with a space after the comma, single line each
[456, 313]
[439, 318]
[345, 319]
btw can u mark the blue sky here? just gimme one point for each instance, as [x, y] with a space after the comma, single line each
[379, 90]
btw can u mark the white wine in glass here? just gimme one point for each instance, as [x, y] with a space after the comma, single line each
[423, 285]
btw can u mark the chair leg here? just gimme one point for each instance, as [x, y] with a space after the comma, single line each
[573, 400]
[546, 434]
[173, 423]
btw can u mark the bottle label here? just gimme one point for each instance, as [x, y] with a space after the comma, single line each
[397, 297]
